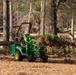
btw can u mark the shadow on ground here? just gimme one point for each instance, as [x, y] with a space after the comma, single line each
[62, 61]
[50, 60]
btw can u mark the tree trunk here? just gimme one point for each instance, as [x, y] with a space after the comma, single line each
[72, 26]
[17, 13]
[11, 13]
[42, 24]
[6, 20]
[53, 16]
[29, 19]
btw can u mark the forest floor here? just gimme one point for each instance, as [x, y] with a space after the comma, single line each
[54, 66]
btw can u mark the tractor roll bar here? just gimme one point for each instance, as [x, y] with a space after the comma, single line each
[30, 26]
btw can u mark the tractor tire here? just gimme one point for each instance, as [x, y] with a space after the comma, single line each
[31, 58]
[18, 56]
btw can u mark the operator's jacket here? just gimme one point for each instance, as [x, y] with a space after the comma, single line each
[26, 38]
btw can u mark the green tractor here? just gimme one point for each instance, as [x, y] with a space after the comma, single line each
[31, 51]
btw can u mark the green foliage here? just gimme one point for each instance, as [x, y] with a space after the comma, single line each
[49, 36]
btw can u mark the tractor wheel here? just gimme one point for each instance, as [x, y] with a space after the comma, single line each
[31, 58]
[18, 56]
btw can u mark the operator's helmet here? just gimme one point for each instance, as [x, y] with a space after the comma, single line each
[27, 33]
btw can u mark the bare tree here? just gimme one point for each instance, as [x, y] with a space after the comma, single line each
[42, 25]
[54, 8]
[6, 20]
[11, 13]
[17, 13]
[29, 19]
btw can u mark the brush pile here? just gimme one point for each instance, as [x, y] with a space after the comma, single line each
[54, 40]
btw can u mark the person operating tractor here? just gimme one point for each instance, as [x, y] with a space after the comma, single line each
[25, 39]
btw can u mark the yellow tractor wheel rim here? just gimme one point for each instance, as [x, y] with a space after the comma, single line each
[16, 56]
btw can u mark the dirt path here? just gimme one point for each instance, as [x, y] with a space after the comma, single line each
[10, 67]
